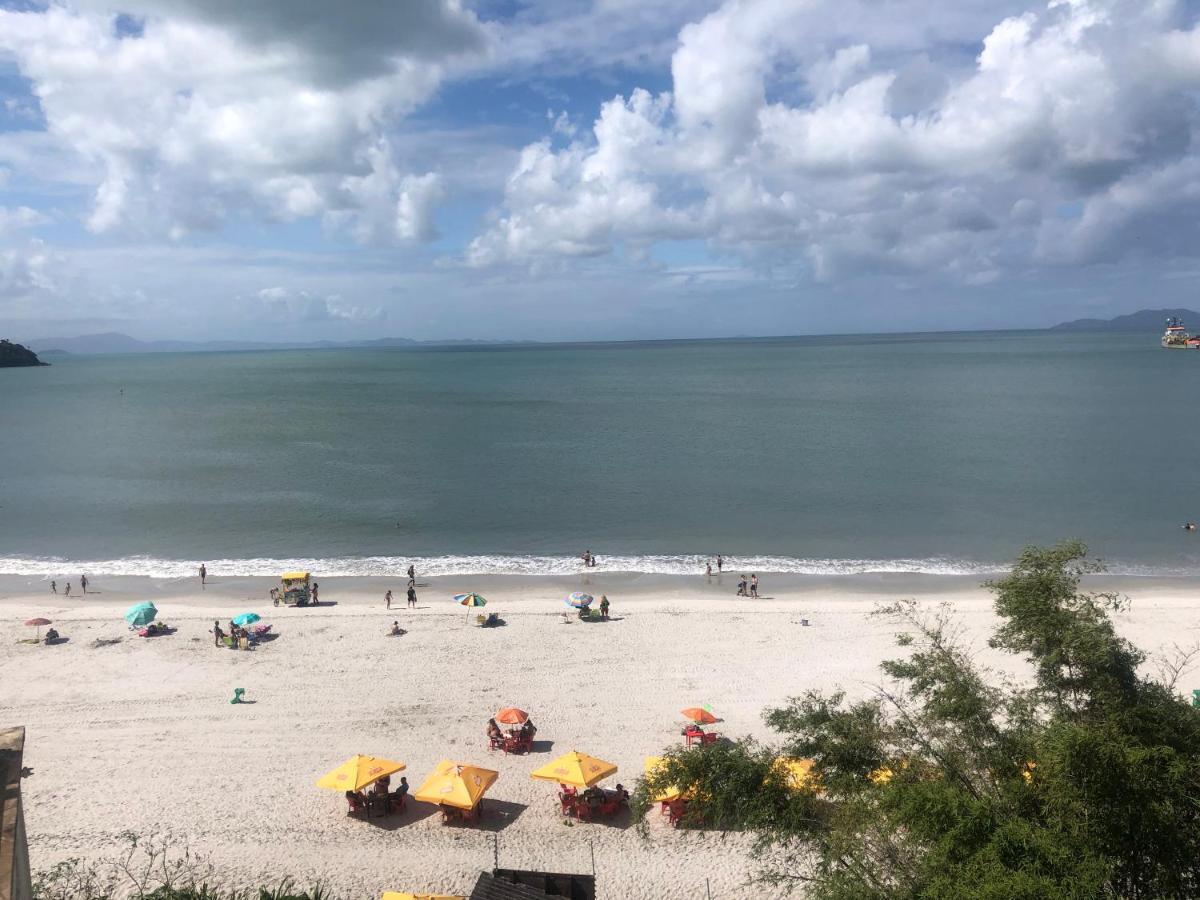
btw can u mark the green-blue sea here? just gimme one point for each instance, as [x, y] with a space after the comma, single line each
[924, 453]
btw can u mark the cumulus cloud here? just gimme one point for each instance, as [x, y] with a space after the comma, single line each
[285, 305]
[209, 111]
[1069, 138]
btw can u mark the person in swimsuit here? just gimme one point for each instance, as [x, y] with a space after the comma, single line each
[412, 597]
[754, 586]
[388, 598]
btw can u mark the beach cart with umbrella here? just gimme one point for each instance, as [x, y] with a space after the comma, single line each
[297, 589]
[141, 614]
[38, 623]
[470, 601]
[457, 789]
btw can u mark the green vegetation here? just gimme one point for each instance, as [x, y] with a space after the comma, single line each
[953, 782]
[158, 868]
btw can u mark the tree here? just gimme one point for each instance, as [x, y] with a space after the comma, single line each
[954, 783]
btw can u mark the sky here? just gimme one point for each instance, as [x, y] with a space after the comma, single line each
[592, 169]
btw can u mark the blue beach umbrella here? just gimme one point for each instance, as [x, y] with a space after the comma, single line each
[246, 619]
[140, 614]
[579, 600]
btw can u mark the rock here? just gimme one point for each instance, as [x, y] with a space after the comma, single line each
[15, 355]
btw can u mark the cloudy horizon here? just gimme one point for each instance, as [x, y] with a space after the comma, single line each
[592, 169]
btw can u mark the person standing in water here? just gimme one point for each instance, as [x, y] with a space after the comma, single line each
[54, 587]
[388, 598]
[412, 574]
[708, 570]
[720, 563]
[203, 575]
[67, 590]
[83, 583]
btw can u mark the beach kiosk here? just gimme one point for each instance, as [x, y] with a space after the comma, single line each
[295, 590]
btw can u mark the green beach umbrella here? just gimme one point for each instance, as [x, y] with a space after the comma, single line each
[246, 619]
[469, 600]
[140, 614]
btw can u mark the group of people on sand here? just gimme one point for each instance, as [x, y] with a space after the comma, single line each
[708, 566]
[83, 584]
[236, 632]
[589, 560]
[523, 732]
[748, 588]
[381, 792]
[412, 589]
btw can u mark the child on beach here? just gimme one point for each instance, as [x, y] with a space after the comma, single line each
[54, 587]
[67, 590]
[388, 598]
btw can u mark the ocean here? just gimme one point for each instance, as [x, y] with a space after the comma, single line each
[935, 453]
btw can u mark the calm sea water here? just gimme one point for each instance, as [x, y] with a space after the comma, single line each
[939, 453]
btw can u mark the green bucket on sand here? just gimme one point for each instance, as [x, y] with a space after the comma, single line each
[238, 693]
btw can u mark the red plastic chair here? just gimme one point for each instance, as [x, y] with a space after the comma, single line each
[497, 743]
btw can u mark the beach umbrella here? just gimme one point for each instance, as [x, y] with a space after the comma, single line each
[357, 772]
[39, 622]
[510, 715]
[460, 785]
[579, 600]
[246, 619]
[141, 614]
[576, 769]
[701, 715]
[671, 792]
[469, 601]
[795, 771]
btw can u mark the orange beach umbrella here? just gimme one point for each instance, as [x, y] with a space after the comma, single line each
[701, 715]
[510, 715]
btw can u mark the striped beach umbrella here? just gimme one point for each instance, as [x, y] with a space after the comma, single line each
[469, 601]
[579, 600]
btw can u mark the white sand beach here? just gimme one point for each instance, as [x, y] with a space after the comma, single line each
[140, 735]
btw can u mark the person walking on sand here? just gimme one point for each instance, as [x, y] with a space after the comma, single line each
[203, 575]
[54, 587]
[316, 602]
[83, 583]
[388, 598]
[412, 597]
[754, 586]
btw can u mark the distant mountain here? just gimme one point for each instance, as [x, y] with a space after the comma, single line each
[12, 355]
[1142, 320]
[115, 342]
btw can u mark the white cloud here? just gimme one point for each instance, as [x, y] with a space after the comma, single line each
[286, 305]
[19, 218]
[277, 111]
[882, 161]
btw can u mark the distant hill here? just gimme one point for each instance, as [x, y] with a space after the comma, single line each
[12, 355]
[115, 342]
[1142, 320]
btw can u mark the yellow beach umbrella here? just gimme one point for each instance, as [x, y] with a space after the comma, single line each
[576, 769]
[405, 895]
[456, 784]
[653, 764]
[357, 772]
[796, 772]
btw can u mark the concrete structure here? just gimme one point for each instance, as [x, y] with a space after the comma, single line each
[14, 851]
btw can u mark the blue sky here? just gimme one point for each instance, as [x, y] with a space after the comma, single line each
[592, 169]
